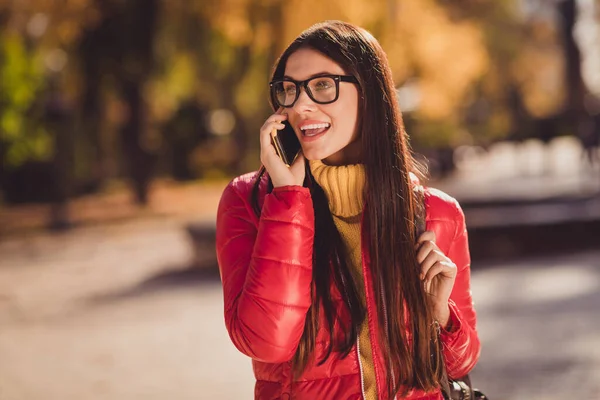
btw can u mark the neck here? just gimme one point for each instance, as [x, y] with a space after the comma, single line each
[343, 186]
[351, 154]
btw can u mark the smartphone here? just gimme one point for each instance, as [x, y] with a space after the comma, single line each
[286, 143]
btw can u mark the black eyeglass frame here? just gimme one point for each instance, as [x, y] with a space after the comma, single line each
[336, 78]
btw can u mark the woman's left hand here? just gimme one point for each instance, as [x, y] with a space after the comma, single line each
[438, 274]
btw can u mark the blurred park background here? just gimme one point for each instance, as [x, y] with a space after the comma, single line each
[121, 121]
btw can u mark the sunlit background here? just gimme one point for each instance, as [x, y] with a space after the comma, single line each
[121, 121]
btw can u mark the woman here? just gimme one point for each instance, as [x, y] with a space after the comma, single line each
[327, 286]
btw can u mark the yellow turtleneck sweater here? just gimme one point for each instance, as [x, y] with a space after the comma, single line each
[343, 186]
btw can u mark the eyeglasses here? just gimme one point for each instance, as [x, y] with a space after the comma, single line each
[322, 89]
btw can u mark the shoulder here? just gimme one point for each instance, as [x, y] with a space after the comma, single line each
[443, 214]
[243, 184]
[439, 205]
[442, 206]
[239, 190]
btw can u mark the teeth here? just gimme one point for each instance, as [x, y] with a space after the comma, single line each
[314, 126]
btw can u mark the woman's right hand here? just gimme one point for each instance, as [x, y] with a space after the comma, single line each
[280, 173]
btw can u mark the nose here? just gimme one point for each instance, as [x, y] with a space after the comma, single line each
[304, 103]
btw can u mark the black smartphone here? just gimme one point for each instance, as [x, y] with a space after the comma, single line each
[286, 143]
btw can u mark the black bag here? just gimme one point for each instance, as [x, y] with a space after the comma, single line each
[461, 389]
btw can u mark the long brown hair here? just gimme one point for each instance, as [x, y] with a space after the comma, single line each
[391, 210]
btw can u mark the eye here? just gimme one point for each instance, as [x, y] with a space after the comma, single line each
[289, 88]
[323, 84]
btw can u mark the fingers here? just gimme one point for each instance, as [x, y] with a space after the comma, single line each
[439, 267]
[275, 121]
[424, 248]
[280, 173]
[430, 260]
[298, 165]
[427, 285]
[427, 236]
[276, 118]
[437, 272]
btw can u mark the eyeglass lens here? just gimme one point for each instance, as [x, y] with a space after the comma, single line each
[319, 89]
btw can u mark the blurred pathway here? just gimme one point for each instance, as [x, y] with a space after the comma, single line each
[113, 313]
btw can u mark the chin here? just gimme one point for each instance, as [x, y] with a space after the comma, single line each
[312, 155]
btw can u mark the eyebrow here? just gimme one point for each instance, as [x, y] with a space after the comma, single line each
[313, 75]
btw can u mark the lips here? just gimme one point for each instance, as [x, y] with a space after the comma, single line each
[311, 129]
[314, 131]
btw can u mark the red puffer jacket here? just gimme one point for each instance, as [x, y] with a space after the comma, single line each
[266, 270]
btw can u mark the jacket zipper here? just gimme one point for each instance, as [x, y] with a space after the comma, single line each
[360, 366]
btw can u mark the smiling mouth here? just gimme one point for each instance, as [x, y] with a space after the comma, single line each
[314, 129]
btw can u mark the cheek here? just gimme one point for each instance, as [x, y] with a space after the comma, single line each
[348, 120]
[292, 116]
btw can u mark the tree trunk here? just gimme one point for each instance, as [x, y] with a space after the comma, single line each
[139, 162]
[138, 26]
[573, 78]
[58, 119]
[91, 55]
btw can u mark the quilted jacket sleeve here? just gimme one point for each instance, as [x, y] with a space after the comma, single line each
[266, 270]
[461, 343]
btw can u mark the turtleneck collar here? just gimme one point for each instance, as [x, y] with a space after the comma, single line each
[343, 185]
